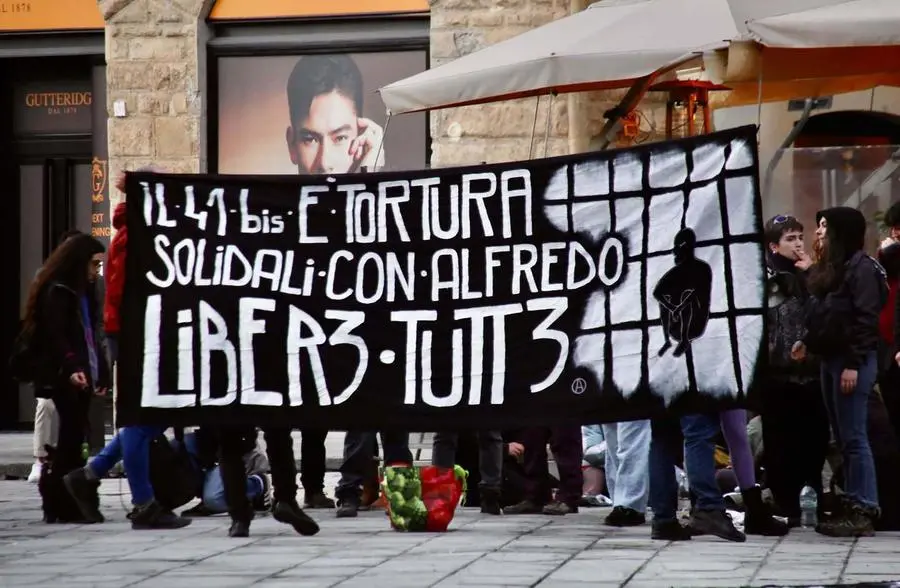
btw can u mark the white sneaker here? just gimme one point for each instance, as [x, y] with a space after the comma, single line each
[35, 474]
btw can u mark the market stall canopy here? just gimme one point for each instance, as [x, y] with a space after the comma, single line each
[848, 23]
[615, 43]
[833, 48]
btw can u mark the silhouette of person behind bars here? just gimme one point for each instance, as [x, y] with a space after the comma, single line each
[683, 294]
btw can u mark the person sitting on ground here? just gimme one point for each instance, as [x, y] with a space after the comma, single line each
[594, 492]
[202, 449]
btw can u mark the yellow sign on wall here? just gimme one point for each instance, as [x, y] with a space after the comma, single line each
[50, 15]
[263, 9]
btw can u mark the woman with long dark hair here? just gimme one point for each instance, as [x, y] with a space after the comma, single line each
[849, 289]
[60, 315]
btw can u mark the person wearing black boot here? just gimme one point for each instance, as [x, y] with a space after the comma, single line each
[490, 464]
[848, 289]
[233, 444]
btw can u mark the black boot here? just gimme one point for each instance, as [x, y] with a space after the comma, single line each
[759, 519]
[348, 507]
[490, 501]
[154, 516]
[291, 514]
[715, 522]
[854, 521]
[85, 492]
[239, 528]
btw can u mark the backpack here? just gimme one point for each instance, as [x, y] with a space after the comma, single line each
[23, 362]
[173, 475]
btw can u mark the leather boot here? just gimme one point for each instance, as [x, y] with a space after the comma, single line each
[758, 518]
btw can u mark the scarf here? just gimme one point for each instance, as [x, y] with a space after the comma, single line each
[89, 339]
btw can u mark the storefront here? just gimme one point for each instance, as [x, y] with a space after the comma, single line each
[231, 86]
[53, 141]
[291, 82]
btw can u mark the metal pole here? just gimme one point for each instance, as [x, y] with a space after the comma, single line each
[387, 123]
[549, 118]
[537, 104]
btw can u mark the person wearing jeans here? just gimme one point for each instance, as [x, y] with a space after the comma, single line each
[131, 445]
[849, 290]
[709, 517]
[627, 471]
[849, 413]
[359, 449]
[212, 499]
[490, 463]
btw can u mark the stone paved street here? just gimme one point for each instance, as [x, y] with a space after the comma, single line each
[572, 551]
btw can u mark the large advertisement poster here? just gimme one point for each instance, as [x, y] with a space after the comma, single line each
[315, 114]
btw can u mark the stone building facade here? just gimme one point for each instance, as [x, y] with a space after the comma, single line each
[156, 65]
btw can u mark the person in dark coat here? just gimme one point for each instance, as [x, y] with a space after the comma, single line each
[794, 422]
[849, 290]
[61, 316]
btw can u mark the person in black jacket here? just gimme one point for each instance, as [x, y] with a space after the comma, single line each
[60, 316]
[849, 289]
[794, 420]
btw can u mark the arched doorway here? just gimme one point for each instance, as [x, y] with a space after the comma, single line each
[847, 158]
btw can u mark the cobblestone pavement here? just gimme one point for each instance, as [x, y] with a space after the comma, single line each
[572, 551]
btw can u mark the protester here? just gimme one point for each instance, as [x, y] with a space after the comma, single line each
[758, 519]
[849, 289]
[593, 467]
[46, 425]
[359, 447]
[889, 372]
[202, 449]
[628, 471]
[60, 317]
[708, 517]
[565, 443]
[280, 451]
[130, 444]
[794, 422]
[490, 464]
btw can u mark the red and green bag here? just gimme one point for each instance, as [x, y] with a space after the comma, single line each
[422, 498]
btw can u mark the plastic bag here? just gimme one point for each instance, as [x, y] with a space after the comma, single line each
[402, 491]
[422, 499]
[442, 491]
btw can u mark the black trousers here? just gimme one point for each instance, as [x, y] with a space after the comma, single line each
[233, 444]
[312, 460]
[795, 441]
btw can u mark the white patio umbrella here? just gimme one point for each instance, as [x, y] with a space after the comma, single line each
[619, 43]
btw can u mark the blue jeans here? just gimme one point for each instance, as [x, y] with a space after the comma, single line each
[628, 463]
[131, 445]
[699, 431]
[849, 418]
[213, 485]
[214, 490]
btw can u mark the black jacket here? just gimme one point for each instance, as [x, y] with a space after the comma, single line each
[60, 342]
[851, 312]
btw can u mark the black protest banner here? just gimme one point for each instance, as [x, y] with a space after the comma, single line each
[592, 288]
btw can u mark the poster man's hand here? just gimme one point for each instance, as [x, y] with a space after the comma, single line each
[798, 351]
[365, 147]
[804, 261]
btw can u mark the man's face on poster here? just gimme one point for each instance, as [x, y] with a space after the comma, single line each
[321, 143]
